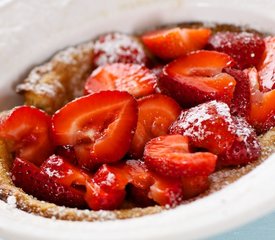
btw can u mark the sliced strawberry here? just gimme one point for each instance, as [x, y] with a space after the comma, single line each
[99, 126]
[27, 133]
[140, 196]
[156, 113]
[169, 156]
[175, 42]
[209, 126]
[63, 172]
[262, 112]
[107, 189]
[197, 78]
[240, 105]
[66, 152]
[118, 47]
[245, 147]
[245, 48]
[133, 78]
[266, 66]
[193, 186]
[29, 177]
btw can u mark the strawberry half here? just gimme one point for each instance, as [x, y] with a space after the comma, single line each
[208, 126]
[193, 186]
[170, 156]
[245, 147]
[118, 47]
[63, 172]
[197, 78]
[156, 113]
[27, 133]
[99, 126]
[266, 66]
[29, 177]
[133, 78]
[262, 112]
[245, 48]
[107, 188]
[175, 42]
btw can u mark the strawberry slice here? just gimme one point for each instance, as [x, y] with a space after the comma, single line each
[266, 66]
[118, 47]
[107, 188]
[156, 113]
[193, 186]
[66, 152]
[245, 147]
[175, 42]
[132, 78]
[29, 177]
[63, 172]
[209, 126]
[245, 48]
[99, 126]
[197, 78]
[262, 112]
[170, 156]
[240, 105]
[27, 133]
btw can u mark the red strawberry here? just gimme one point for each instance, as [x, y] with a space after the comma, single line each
[175, 42]
[262, 112]
[66, 152]
[240, 105]
[107, 189]
[266, 66]
[245, 147]
[245, 48]
[118, 47]
[63, 172]
[29, 177]
[156, 113]
[140, 196]
[209, 126]
[99, 126]
[27, 133]
[197, 78]
[132, 78]
[169, 156]
[193, 186]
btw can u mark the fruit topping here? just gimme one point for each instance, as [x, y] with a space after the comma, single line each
[245, 48]
[29, 177]
[170, 156]
[262, 113]
[193, 186]
[26, 131]
[156, 113]
[208, 126]
[100, 127]
[118, 47]
[133, 78]
[245, 147]
[197, 78]
[266, 66]
[175, 42]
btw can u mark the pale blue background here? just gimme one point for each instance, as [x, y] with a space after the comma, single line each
[262, 229]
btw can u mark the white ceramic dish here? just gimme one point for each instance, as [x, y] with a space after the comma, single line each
[32, 30]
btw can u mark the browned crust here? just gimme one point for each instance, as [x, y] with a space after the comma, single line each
[53, 84]
[30, 204]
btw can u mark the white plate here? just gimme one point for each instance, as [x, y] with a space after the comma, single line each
[32, 30]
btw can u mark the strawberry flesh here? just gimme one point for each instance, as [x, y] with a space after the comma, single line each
[118, 47]
[29, 177]
[133, 78]
[100, 126]
[245, 48]
[156, 113]
[193, 186]
[170, 156]
[197, 78]
[172, 43]
[27, 133]
[208, 126]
